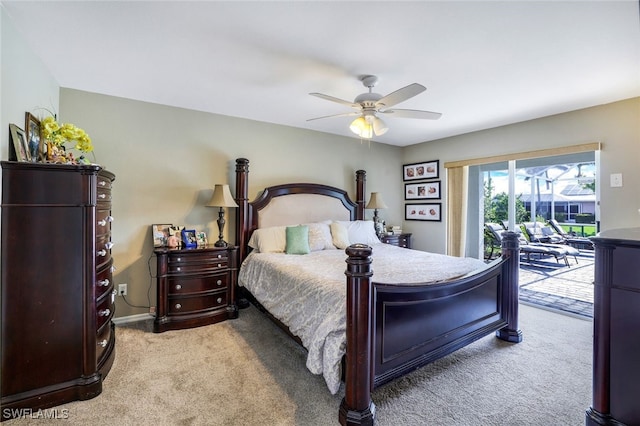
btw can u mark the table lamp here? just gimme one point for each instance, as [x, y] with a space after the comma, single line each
[221, 198]
[376, 202]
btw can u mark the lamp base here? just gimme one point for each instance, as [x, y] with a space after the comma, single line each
[221, 243]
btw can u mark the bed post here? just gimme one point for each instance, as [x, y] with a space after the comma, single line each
[361, 184]
[356, 407]
[510, 288]
[242, 191]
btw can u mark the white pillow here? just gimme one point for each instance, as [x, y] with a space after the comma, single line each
[320, 236]
[339, 235]
[361, 232]
[269, 240]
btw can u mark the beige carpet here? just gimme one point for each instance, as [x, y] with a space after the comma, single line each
[247, 372]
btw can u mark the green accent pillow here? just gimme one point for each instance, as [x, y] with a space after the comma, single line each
[297, 240]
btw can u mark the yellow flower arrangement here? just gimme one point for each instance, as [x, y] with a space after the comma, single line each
[60, 134]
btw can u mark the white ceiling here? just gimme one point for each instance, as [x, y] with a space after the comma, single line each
[485, 64]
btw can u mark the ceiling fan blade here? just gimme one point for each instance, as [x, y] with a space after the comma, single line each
[412, 113]
[344, 114]
[400, 95]
[334, 99]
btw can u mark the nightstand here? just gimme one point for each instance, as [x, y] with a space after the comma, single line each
[401, 240]
[195, 286]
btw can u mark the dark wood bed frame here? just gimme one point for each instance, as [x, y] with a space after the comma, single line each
[395, 329]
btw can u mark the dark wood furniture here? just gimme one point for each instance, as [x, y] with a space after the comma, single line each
[400, 240]
[58, 340]
[195, 286]
[394, 329]
[616, 329]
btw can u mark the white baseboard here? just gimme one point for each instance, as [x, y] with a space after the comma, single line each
[132, 318]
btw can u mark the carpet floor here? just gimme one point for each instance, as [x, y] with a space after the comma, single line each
[248, 372]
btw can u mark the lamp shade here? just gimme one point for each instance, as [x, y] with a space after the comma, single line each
[367, 126]
[222, 197]
[376, 202]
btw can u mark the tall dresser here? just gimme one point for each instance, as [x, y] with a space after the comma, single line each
[616, 329]
[58, 340]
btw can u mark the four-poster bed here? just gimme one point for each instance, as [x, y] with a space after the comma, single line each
[390, 328]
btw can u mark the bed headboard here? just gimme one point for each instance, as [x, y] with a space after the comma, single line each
[292, 203]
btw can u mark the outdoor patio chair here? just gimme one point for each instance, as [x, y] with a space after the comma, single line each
[527, 248]
[572, 240]
[539, 233]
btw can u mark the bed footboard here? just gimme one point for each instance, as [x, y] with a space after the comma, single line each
[394, 329]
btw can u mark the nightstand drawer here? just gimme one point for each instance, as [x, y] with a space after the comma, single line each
[402, 240]
[187, 305]
[182, 285]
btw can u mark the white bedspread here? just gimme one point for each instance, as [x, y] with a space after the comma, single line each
[308, 292]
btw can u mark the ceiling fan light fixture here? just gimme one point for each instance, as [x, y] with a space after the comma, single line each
[379, 126]
[361, 127]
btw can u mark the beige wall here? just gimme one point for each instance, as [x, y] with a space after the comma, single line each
[166, 161]
[616, 125]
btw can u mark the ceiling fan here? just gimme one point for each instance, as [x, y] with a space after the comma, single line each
[368, 105]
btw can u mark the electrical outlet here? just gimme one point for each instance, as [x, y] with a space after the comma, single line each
[152, 309]
[122, 289]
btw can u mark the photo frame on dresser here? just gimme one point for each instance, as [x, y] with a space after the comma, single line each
[18, 149]
[189, 238]
[201, 239]
[425, 212]
[160, 234]
[37, 147]
[422, 191]
[424, 170]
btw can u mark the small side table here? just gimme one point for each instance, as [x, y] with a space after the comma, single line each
[400, 240]
[195, 287]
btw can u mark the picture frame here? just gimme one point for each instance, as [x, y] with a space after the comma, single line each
[19, 150]
[160, 234]
[37, 147]
[201, 239]
[422, 191]
[423, 170]
[189, 238]
[426, 212]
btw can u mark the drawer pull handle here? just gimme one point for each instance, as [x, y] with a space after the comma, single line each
[102, 252]
[219, 282]
[104, 312]
[219, 300]
[102, 183]
[113, 269]
[103, 196]
[109, 245]
[103, 283]
[106, 220]
[219, 265]
[178, 306]
[219, 256]
[103, 343]
[178, 287]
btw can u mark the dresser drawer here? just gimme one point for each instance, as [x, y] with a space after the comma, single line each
[103, 222]
[104, 280]
[103, 249]
[187, 305]
[104, 309]
[102, 340]
[183, 285]
[198, 263]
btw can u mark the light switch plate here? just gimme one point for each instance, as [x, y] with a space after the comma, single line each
[616, 180]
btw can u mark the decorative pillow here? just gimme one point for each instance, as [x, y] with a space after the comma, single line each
[297, 240]
[269, 240]
[361, 231]
[319, 236]
[339, 235]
